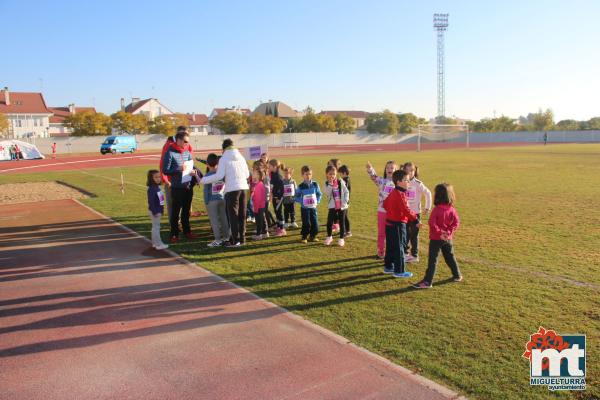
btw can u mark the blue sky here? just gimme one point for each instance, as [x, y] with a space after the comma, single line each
[510, 56]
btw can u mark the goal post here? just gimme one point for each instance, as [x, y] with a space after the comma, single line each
[442, 135]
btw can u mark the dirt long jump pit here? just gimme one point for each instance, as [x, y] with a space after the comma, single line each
[88, 310]
[13, 193]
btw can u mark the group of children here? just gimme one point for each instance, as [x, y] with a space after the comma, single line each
[399, 211]
[269, 185]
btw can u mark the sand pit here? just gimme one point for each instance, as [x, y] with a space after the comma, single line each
[12, 193]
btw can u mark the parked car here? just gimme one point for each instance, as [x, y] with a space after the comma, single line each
[118, 144]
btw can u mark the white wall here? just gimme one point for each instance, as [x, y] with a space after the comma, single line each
[213, 142]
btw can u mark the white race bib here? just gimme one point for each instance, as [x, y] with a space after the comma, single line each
[387, 189]
[289, 190]
[411, 194]
[161, 198]
[218, 188]
[309, 200]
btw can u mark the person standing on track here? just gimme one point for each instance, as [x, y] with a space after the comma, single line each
[53, 146]
[233, 169]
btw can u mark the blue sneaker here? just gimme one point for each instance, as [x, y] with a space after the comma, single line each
[388, 270]
[403, 274]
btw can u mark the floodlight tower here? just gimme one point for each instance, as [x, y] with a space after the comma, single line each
[440, 24]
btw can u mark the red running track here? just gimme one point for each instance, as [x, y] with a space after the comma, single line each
[65, 163]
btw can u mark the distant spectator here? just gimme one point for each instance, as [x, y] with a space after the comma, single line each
[53, 150]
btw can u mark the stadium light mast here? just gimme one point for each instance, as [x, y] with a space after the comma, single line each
[440, 24]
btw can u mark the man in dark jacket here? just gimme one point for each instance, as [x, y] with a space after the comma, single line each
[182, 188]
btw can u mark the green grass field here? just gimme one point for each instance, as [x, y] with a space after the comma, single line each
[528, 247]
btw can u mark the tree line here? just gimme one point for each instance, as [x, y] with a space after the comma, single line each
[231, 123]
[88, 123]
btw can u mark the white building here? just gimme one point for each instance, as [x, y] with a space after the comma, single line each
[198, 124]
[27, 114]
[151, 108]
[57, 121]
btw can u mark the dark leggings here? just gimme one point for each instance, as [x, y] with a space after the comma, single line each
[333, 215]
[447, 251]
[261, 222]
[412, 237]
[289, 213]
[278, 212]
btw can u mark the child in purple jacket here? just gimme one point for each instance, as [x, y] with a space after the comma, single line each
[156, 206]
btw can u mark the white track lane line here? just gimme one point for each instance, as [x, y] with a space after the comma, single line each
[72, 162]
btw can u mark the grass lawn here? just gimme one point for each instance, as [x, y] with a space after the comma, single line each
[528, 246]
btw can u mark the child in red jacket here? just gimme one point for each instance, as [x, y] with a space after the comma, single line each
[443, 222]
[398, 213]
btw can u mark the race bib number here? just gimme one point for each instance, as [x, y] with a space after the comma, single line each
[387, 189]
[411, 194]
[161, 198]
[217, 188]
[288, 190]
[336, 197]
[309, 201]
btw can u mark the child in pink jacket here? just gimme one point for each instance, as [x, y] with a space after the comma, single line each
[443, 222]
[259, 204]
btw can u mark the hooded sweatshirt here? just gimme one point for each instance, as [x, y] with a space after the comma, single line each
[337, 190]
[443, 218]
[414, 193]
[385, 185]
[232, 169]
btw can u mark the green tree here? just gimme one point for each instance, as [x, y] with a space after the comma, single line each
[543, 120]
[408, 122]
[383, 122]
[230, 123]
[344, 123]
[443, 120]
[126, 122]
[88, 123]
[258, 123]
[568, 125]
[593, 123]
[3, 125]
[312, 122]
[167, 124]
[294, 125]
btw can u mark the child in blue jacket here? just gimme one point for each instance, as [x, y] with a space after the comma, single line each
[308, 195]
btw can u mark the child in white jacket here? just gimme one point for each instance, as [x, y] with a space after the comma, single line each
[414, 194]
[337, 201]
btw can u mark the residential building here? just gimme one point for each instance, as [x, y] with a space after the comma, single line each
[198, 124]
[57, 121]
[151, 108]
[277, 109]
[27, 114]
[359, 117]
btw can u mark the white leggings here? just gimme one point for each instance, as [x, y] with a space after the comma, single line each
[156, 240]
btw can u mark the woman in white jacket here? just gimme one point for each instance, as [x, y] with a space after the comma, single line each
[233, 169]
[414, 194]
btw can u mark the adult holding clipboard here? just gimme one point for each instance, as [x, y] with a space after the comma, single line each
[178, 165]
[233, 169]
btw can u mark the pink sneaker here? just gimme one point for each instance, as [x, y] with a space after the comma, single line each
[335, 227]
[280, 232]
[328, 241]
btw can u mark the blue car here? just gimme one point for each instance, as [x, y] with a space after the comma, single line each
[118, 144]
